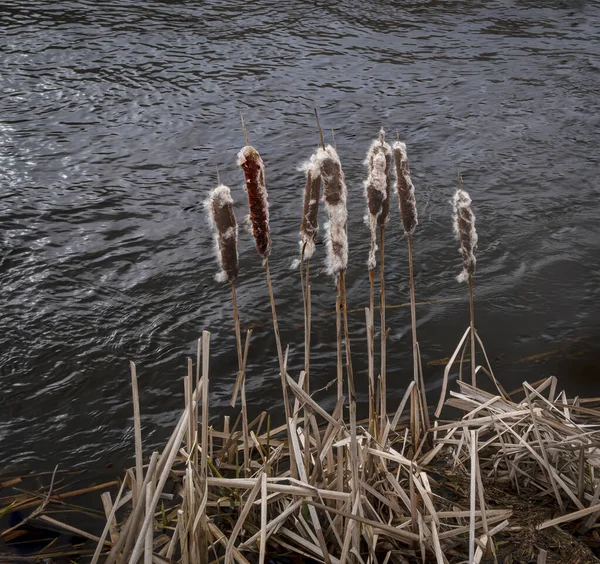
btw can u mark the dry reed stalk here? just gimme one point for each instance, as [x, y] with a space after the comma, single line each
[137, 425]
[109, 526]
[408, 213]
[473, 482]
[148, 549]
[108, 506]
[464, 230]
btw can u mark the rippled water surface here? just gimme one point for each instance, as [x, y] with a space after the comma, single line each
[113, 119]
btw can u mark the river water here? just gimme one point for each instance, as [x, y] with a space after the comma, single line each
[113, 119]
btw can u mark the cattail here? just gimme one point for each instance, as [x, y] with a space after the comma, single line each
[222, 220]
[334, 198]
[406, 190]
[312, 193]
[254, 171]
[464, 230]
[384, 217]
[377, 187]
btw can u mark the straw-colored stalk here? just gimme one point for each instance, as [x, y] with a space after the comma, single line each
[464, 230]
[219, 207]
[408, 214]
[254, 171]
[377, 190]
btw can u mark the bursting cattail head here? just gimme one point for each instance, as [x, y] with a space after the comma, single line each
[254, 171]
[406, 190]
[219, 208]
[334, 198]
[464, 230]
[384, 217]
[377, 189]
[310, 212]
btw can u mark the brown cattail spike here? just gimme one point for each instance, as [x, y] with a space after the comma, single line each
[334, 198]
[406, 190]
[464, 230]
[222, 220]
[312, 193]
[254, 171]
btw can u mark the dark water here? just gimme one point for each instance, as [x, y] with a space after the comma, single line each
[114, 116]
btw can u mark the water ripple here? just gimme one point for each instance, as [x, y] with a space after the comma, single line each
[116, 114]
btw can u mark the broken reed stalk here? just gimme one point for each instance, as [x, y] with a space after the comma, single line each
[219, 207]
[254, 172]
[408, 214]
[464, 230]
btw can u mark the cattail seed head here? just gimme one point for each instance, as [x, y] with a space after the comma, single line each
[219, 209]
[464, 230]
[334, 198]
[377, 189]
[310, 212]
[254, 171]
[406, 190]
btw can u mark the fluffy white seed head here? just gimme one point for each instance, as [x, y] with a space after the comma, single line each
[312, 193]
[384, 217]
[334, 197]
[377, 188]
[464, 231]
[219, 209]
[405, 188]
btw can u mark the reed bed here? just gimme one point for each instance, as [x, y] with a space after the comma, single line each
[326, 486]
[429, 506]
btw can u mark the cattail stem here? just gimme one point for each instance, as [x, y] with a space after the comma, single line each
[277, 339]
[472, 312]
[282, 368]
[305, 277]
[371, 353]
[416, 395]
[352, 396]
[305, 280]
[338, 333]
[241, 378]
[383, 331]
